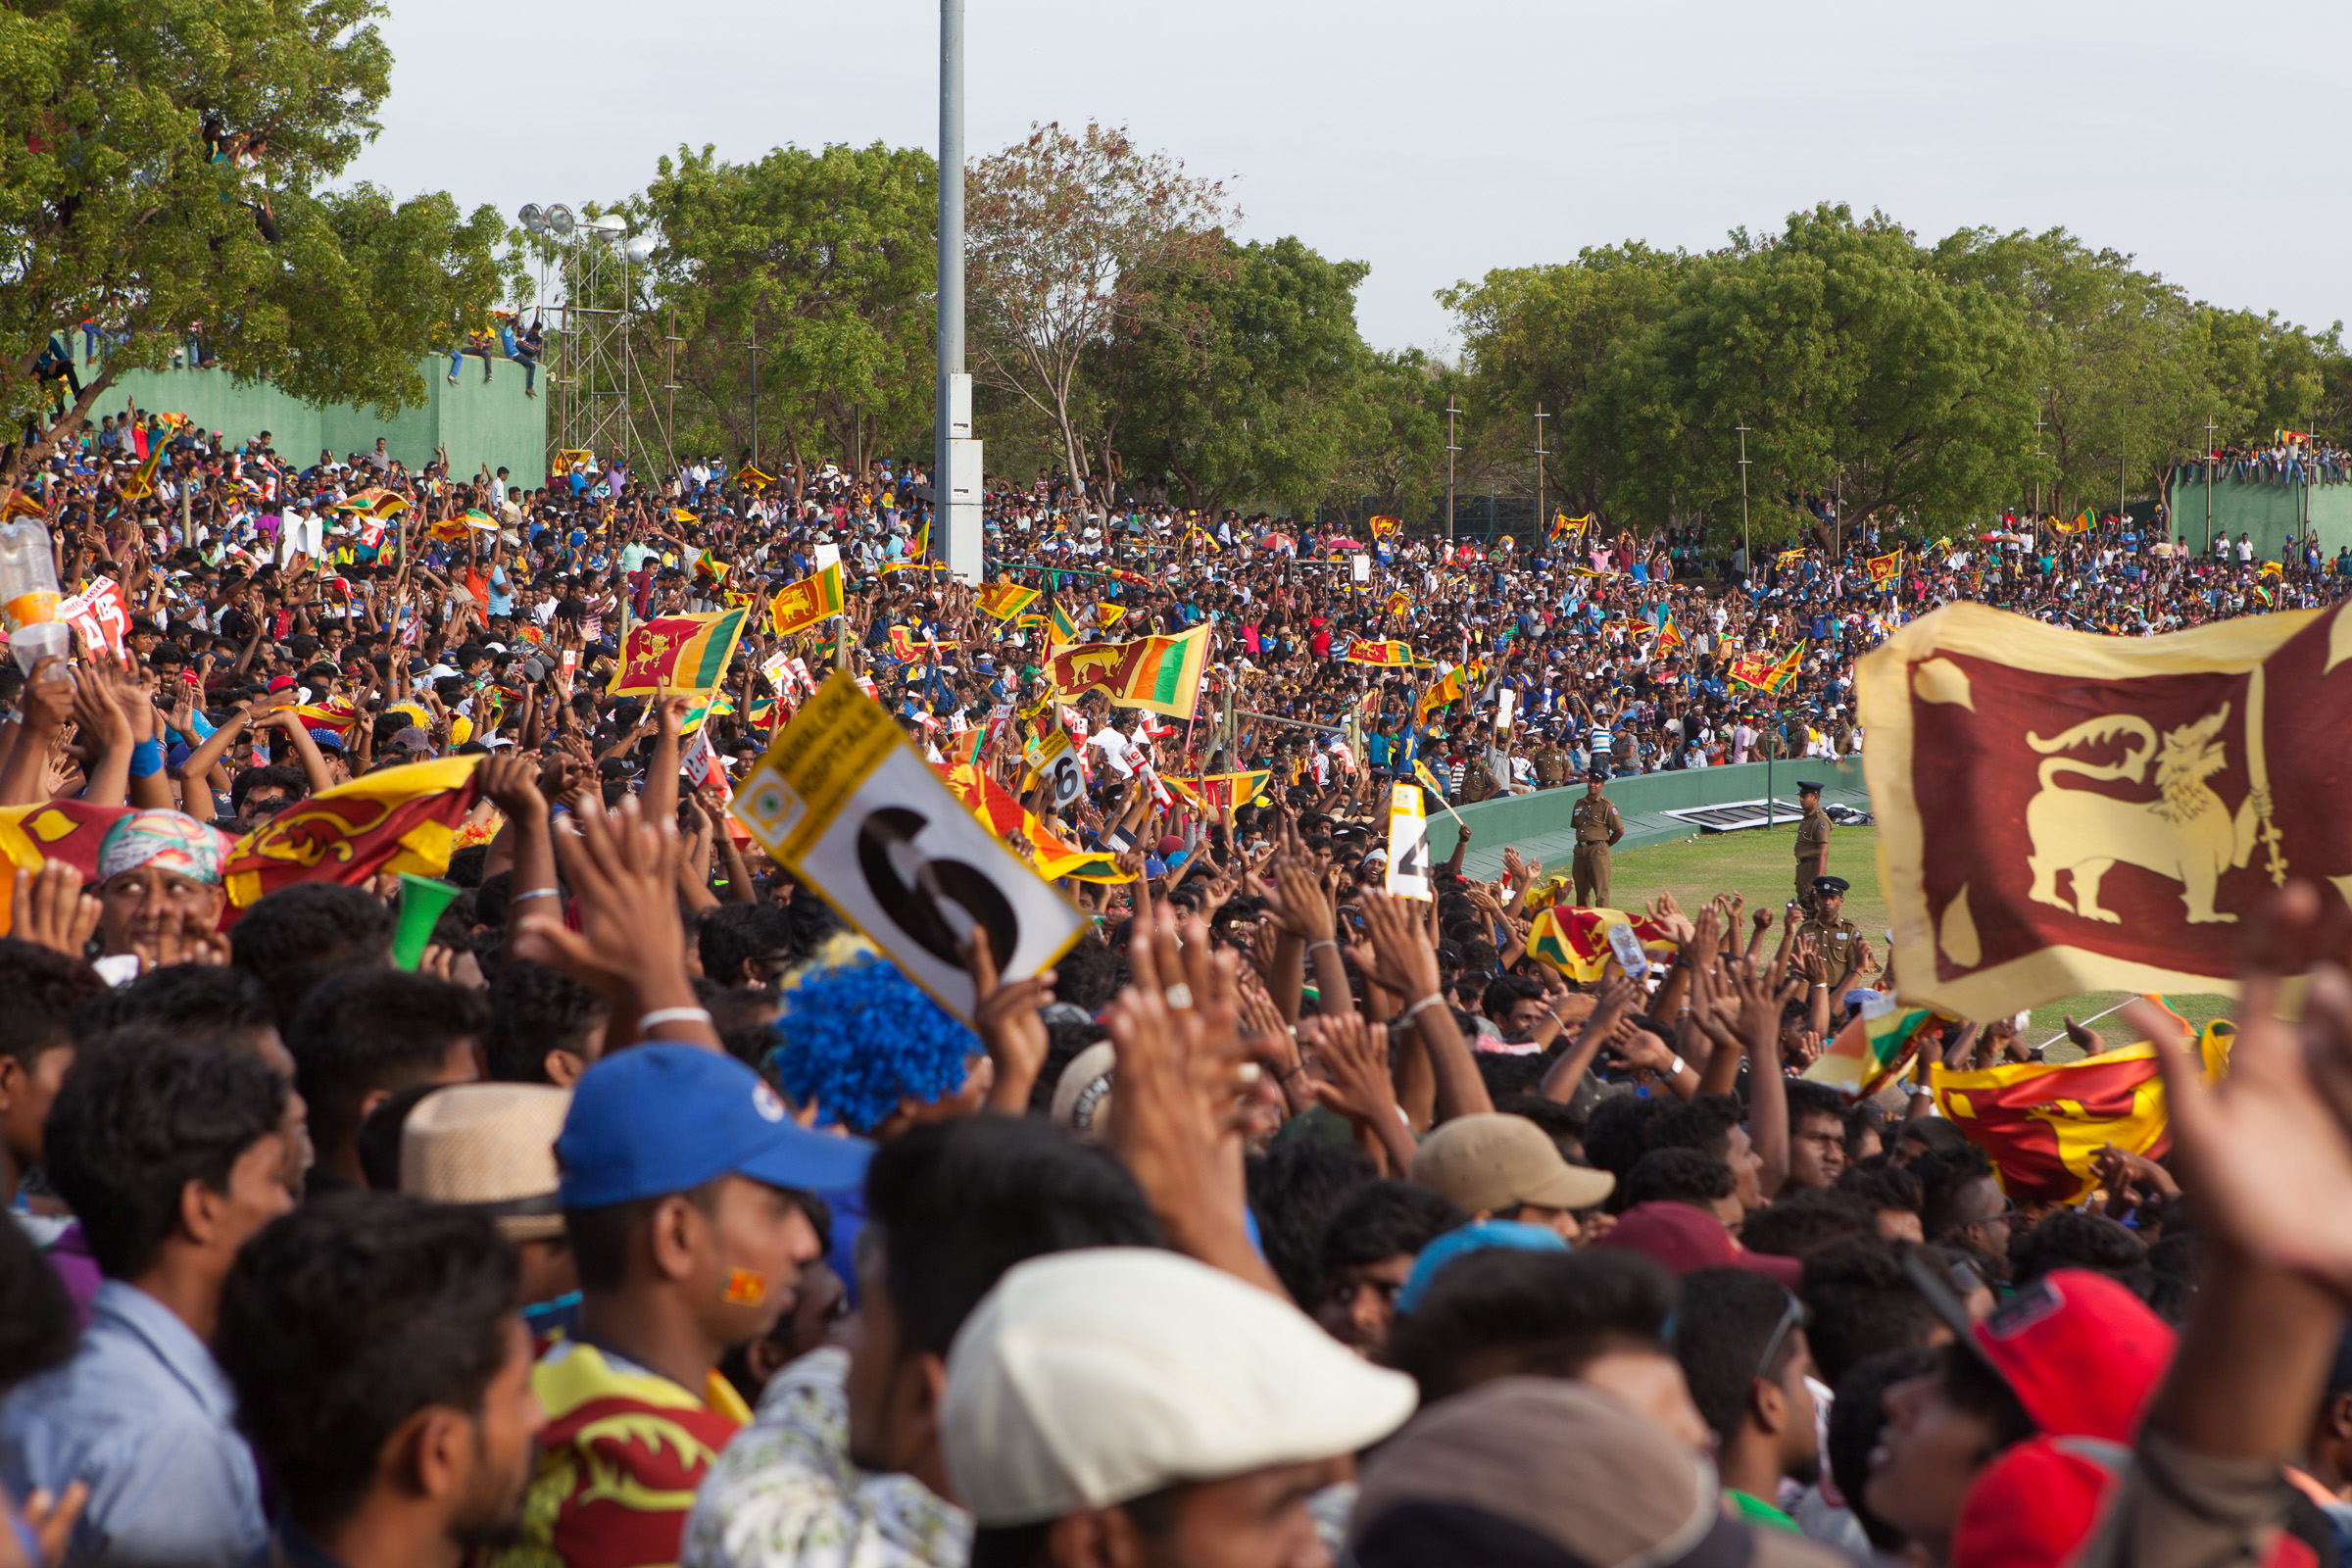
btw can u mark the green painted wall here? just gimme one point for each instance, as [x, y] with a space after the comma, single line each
[494, 424]
[1539, 825]
[2271, 512]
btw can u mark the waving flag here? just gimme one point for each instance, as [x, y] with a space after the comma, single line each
[1393, 654]
[66, 830]
[1063, 628]
[1670, 636]
[1005, 599]
[800, 605]
[14, 504]
[1451, 687]
[1563, 526]
[677, 653]
[1885, 569]
[395, 819]
[2074, 524]
[1217, 792]
[1575, 940]
[1055, 858]
[1872, 1049]
[1383, 526]
[2044, 1123]
[1159, 673]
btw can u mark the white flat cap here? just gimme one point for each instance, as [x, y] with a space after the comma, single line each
[1090, 1378]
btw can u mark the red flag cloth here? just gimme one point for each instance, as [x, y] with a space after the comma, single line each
[2044, 1123]
[397, 819]
[53, 830]
[2104, 808]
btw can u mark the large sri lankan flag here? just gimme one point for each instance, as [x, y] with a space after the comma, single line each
[395, 819]
[2044, 1123]
[53, 830]
[1159, 673]
[677, 653]
[2104, 810]
[1574, 939]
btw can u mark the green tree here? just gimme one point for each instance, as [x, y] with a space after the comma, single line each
[1240, 385]
[1393, 452]
[164, 173]
[823, 263]
[1859, 369]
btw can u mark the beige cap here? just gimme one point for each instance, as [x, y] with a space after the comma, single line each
[492, 1147]
[1082, 1093]
[1492, 1162]
[1089, 1378]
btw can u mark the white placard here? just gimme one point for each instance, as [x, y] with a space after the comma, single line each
[1408, 844]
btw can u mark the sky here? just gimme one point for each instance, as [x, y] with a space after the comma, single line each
[1437, 142]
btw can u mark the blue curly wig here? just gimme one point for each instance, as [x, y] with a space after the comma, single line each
[858, 1037]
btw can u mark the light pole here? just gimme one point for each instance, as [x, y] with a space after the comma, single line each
[755, 348]
[1450, 450]
[2211, 456]
[1745, 549]
[955, 456]
[1539, 525]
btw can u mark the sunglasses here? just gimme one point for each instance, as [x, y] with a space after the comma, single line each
[1793, 1316]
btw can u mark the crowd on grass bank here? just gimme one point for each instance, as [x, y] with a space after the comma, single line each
[642, 1213]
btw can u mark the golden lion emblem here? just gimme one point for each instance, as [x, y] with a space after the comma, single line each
[2185, 835]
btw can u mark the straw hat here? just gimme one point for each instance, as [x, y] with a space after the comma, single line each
[489, 1147]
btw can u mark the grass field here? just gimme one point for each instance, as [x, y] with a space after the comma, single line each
[1761, 862]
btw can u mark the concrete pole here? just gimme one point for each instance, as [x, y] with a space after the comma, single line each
[956, 482]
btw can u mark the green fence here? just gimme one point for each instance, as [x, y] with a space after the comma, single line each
[2271, 512]
[1537, 825]
[495, 423]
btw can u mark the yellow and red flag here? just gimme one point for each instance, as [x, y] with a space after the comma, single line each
[14, 504]
[989, 800]
[1382, 526]
[66, 830]
[1575, 940]
[335, 714]
[2105, 811]
[397, 819]
[800, 605]
[2044, 1123]
[1872, 1049]
[1004, 601]
[1161, 674]
[1055, 857]
[2077, 523]
[1392, 654]
[1215, 792]
[677, 653]
[1885, 569]
[1670, 636]
[906, 651]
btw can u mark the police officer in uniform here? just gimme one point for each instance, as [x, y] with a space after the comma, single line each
[1812, 840]
[1838, 941]
[1597, 826]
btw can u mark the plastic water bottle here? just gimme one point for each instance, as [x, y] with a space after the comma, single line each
[28, 594]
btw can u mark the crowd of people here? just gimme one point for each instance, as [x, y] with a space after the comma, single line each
[641, 1211]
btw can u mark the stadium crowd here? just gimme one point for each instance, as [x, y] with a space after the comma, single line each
[632, 1209]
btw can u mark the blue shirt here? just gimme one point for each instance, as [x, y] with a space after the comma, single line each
[144, 1415]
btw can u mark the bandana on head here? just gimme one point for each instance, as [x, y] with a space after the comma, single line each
[171, 840]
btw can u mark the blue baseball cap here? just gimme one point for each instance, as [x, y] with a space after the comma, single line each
[656, 1119]
[1483, 1236]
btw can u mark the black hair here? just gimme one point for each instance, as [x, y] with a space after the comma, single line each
[1809, 1099]
[1804, 1222]
[1617, 1134]
[1883, 1185]
[44, 991]
[1503, 1312]
[465, 865]
[378, 1137]
[1511, 1074]
[1295, 1188]
[1943, 1175]
[343, 1319]
[1704, 1124]
[2073, 1238]
[1720, 1336]
[1505, 992]
[735, 934]
[1560, 1121]
[1857, 1417]
[1933, 1133]
[600, 1238]
[186, 998]
[292, 780]
[1863, 1303]
[143, 1113]
[38, 1330]
[958, 1203]
[1674, 1176]
[535, 1010]
[1087, 976]
[294, 938]
[1381, 1219]
[366, 1030]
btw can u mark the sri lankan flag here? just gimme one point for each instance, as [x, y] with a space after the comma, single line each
[800, 605]
[1055, 857]
[1399, 602]
[1061, 628]
[1106, 616]
[1563, 526]
[141, 485]
[1392, 654]
[14, 504]
[752, 479]
[906, 651]
[1383, 526]
[1790, 557]
[1670, 636]
[55, 830]
[1575, 940]
[2043, 1123]
[677, 653]
[1451, 688]
[1214, 792]
[1872, 1049]
[335, 714]
[396, 819]
[1885, 569]
[988, 799]
[1161, 674]
[1002, 601]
